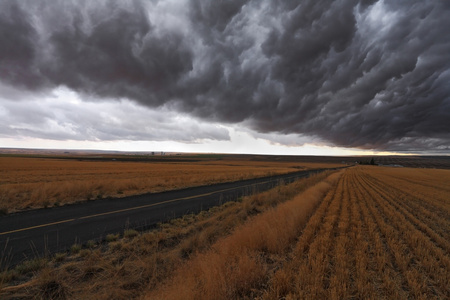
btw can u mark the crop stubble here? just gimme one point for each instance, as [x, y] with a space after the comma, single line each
[377, 233]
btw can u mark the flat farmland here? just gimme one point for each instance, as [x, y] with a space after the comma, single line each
[377, 233]
[27, 183]
[365, 232]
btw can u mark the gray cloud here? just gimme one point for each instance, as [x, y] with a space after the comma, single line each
[65, 117]
[366, 74]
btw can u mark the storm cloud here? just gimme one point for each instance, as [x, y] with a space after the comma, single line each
[364, 74]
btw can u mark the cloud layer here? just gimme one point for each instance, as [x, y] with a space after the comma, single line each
[366, 74]
[63, 116]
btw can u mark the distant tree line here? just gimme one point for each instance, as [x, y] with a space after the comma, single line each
[371, 162]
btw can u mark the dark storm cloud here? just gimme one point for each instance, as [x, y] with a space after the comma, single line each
[367, 74]
[17, 50]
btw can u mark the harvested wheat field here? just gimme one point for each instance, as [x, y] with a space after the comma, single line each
[376, 233]
[42, 182]
[365, 232]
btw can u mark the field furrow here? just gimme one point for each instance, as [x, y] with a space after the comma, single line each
[422, 263]
[314, 267]
[388, 279]
[410, 221]
[366, 283]
[417, 221]
[285, 279]
[436, 212]
[438, 199]
[426, 182]
[316, 221]
[341, 261]
[400, 254]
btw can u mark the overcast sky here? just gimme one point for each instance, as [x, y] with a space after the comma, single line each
[287, 77]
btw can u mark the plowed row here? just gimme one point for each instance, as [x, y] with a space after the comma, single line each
[378, 233]
[376, 236]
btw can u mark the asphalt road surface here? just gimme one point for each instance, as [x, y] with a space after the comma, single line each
[37, 233]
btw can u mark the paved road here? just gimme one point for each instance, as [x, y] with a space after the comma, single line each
[40, 232]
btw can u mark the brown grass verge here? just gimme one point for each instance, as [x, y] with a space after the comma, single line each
[123, 269]
[237, 266]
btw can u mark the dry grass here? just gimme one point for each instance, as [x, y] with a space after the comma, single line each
[363, 233]
[38, 182]
[377, 233]
[369, 239]
[237, 266]
[124, 268]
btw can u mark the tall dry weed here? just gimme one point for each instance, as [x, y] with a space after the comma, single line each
[235, 266]
[126, 267]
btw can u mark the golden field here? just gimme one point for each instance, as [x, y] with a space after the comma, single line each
[377, 233]
[127, 267]
[27, 183]
[365, 232]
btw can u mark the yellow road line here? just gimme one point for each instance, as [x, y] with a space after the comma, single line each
[127, 209]
[144, 206]
[37, 226]
[163, 202]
